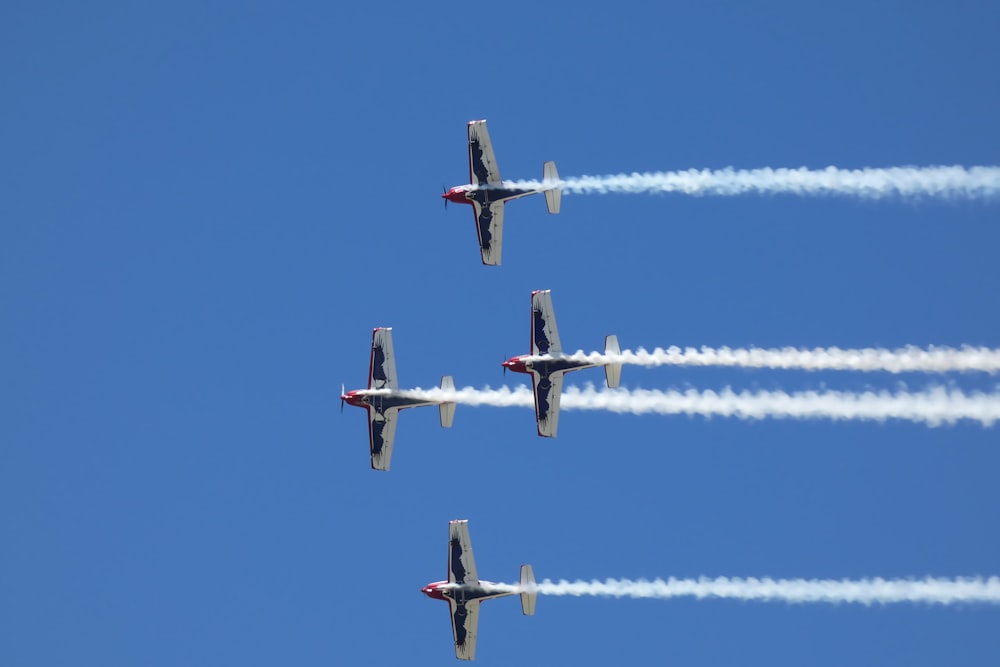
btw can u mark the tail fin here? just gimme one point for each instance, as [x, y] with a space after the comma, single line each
[528, 591]
[612, 371]
[553, 195]
[447, 409]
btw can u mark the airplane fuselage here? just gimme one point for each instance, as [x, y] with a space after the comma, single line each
[381, 400]
[545, 365]
[467, 194]
[461, 593]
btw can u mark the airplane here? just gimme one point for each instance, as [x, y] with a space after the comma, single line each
[547, 363]
[383, 400]
[464, 591]
[487, 193]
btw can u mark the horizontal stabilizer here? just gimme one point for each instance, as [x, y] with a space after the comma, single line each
[528, 591]
[447, 410]
[553, 194]
[612, 371]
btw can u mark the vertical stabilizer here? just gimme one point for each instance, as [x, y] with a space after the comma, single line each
[529, 591]
[550, 179]
[447, 410]
[612, 371]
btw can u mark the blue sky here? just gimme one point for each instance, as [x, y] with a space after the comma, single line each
[206, 207]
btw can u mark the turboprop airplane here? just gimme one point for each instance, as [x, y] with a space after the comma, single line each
[383, 399]
[547, 363]
[464, 591]
[487, 193]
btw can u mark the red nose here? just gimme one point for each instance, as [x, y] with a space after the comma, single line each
[456, 196]
[515, 365]
[431, 591]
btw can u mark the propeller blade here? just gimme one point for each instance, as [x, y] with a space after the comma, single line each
[444, 191]
[342, 390]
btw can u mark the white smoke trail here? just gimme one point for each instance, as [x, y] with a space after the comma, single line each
[869, 182]
[834, 591]
[933, 407]
[902, 360]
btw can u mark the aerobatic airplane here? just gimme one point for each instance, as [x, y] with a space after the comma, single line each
[547, 363]
[464, 591]
[487, 193]
[383, 400]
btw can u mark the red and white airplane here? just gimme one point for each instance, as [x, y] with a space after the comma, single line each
[487, 193]
[547, 363]
[383, 400]
[464, 591]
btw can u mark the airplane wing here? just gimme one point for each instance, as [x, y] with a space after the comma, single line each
[464, 621]
[382, 369]
[489, 226]
[461, 565]
[544, 335]
[381, 433]
[548, 390]
[483, 168]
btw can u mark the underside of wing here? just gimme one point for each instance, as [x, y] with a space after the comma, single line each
[381, 433]
[461, 565]
[544, 334]
[382, 369]
[489, 226]
[464, 621]
[548, 390]
[483, 168]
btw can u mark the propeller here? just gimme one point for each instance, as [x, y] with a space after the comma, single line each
[444, 191]
[504, 365]
[342, 390]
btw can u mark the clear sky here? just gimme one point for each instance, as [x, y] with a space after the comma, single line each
[205, 207]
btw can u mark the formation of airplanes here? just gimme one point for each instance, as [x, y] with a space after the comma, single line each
[546, 363]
